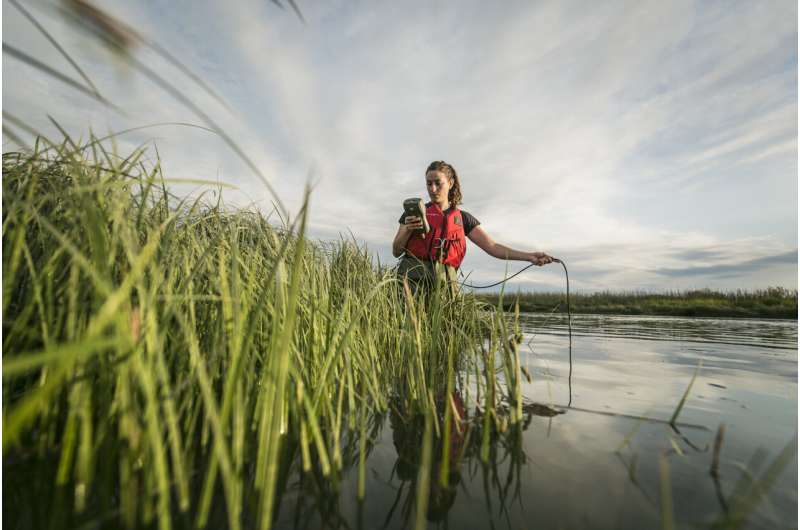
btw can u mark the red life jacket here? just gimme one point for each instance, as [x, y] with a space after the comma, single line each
[445, 242]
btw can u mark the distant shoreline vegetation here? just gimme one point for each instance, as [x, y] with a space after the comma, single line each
[774, 302]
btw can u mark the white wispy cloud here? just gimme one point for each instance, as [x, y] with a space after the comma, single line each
[615, 135]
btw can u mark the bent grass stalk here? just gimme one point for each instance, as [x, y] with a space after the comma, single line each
[679, 407]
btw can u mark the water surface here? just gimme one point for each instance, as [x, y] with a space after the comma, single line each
[610, 460]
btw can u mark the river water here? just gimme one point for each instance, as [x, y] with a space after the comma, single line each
[596, 450]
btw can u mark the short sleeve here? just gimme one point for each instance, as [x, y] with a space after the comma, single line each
[469, 222]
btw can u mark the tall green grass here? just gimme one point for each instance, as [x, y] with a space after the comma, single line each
[162, 354]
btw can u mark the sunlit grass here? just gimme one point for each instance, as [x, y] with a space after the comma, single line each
[166, 349]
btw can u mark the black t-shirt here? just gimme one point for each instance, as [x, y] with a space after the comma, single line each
[467, 219]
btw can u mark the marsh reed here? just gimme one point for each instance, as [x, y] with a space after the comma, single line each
[162, 355]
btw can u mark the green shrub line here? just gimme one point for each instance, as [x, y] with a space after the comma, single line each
[773, 302]
[162, 355]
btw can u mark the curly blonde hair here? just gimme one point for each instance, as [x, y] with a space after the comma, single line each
[454, 196]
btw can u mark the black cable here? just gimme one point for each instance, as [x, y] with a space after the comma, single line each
[569, 324]
[569, 312]
[496, 283]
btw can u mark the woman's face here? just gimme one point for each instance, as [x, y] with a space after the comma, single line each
[438, 186]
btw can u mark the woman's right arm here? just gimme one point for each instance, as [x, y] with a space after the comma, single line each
[404, 232]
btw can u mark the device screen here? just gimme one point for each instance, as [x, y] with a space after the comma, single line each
[414, 207]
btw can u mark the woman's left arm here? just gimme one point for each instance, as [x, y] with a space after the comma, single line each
[479, 236]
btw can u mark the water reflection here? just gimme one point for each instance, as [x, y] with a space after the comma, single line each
[482, 450]
[590, 456]
[764, 333]
[534, 473]
[488, 449]
[407, 436]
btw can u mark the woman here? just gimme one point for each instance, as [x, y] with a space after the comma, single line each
[441, 250]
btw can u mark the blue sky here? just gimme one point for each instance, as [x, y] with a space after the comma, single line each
[651, 145]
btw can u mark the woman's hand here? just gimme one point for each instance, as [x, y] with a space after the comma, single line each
[540, 258]
[413, 222]
[404, 232]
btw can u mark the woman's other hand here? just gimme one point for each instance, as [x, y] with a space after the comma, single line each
[413, 222]
[540, 258]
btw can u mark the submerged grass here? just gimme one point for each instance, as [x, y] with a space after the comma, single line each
[162, 354]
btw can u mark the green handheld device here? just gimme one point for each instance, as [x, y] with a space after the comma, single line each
[416, 207]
